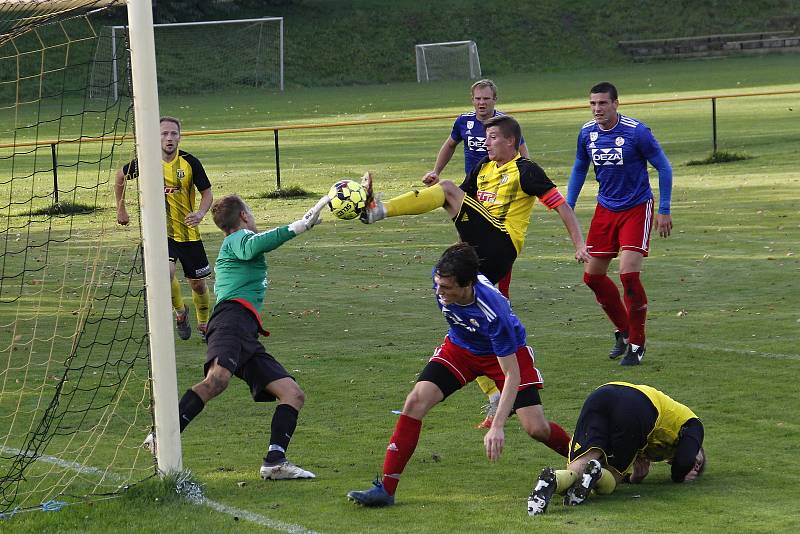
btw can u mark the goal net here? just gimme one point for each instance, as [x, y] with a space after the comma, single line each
[75, 389]
[448, 61]
[198, 57]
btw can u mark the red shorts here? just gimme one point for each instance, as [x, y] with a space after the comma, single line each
[611, 231]
[466, 366]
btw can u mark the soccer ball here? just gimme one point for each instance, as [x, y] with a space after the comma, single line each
[348, 199]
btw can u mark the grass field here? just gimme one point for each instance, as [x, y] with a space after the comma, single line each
[352, 315]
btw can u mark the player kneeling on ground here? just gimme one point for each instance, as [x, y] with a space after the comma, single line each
[621, 429]
[485, 339]
[233, 345]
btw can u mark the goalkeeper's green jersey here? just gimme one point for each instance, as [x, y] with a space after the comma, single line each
[241, 267]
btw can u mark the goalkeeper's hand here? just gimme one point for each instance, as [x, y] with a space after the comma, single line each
[311, 218]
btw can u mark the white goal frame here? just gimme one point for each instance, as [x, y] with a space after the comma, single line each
[115, 29]
[423, 72]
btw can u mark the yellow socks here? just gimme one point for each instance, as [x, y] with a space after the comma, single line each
[487, 385]
[607, 484]
[201, 306]
[177, 297]
[415, 202]
[564, 479]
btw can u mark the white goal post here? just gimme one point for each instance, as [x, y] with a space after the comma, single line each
[447, 61]
[197, 57]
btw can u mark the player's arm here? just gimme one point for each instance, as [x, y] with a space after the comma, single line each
[494, 440]
[574, 229]
[206, 199]
[535, 182]
[577, 176]
[442, 159]
[663, 217]
[119, 194]
[251, 245]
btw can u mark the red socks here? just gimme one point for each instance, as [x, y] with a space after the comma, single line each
[398, 453]
[636, 301]
[607, 295]
[559, 440]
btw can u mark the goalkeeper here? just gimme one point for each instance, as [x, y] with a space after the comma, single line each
[233, 345]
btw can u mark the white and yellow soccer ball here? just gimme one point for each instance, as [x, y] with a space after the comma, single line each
[348, 199]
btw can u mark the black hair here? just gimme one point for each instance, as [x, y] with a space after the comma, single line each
[507, 125]
[461, 262]
[605, 87]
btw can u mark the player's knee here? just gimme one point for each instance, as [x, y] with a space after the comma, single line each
[292, 395]
[537, 429]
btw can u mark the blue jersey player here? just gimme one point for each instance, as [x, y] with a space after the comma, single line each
[619, 148]
[485, 338]
[468, 128]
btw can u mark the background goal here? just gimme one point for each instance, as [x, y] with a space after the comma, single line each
[448, 61]
[197, 57]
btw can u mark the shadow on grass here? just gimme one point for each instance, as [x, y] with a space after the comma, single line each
[66, 208]
[288, 192]
[720, 157]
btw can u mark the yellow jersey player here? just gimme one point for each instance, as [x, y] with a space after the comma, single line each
[623, 427]
[184, 177]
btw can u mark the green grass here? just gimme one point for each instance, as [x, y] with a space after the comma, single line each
[719, 157]
[353, 318]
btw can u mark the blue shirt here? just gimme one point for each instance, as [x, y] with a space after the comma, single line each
[487, 326]
[469, 129]
[620, 158]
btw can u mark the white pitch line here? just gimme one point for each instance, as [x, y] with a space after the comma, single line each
[214, 505]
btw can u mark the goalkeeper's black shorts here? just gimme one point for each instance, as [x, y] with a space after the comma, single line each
[233, 342]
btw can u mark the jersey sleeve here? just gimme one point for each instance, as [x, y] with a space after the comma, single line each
[455, 133]
[535, 182]
[502, 334]
[580, 151]
[131, 170]
[249, 244]
[470, 183]
[199, 176]
[646, 143]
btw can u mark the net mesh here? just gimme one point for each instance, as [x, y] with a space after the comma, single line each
[75, 398]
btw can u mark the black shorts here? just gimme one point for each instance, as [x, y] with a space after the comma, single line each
[192, 256]
[448, 383]
[616, 420]
[233, 341]
[489, 236]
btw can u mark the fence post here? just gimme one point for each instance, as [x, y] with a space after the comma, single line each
[277, 159]
[55, 171]
[714, 123]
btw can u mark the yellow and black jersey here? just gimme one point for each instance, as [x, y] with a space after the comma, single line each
[509, 191]
[183, 177]
[672, 415]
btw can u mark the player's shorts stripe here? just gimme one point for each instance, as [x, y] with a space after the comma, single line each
[552, 199]
[476, 205]
[648, 221]
[453, 369]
